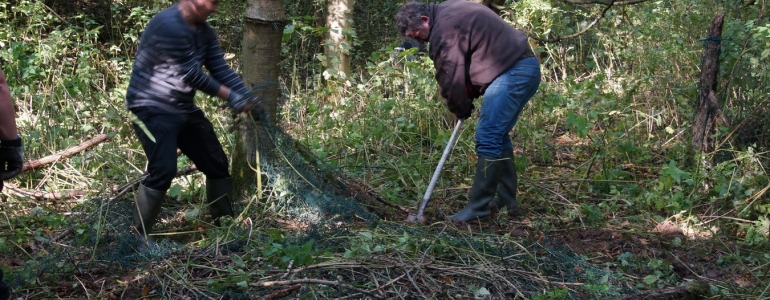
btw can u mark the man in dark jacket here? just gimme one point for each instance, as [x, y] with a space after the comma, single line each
[475, 53]
[167, 72]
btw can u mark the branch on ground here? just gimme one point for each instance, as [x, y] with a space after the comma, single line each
[64, 154]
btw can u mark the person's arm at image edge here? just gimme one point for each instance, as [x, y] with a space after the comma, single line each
[8, 130]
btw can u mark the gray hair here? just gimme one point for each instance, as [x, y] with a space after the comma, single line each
[408, 17]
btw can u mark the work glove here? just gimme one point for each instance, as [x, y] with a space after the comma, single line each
[240, 103]
[462, 115]
[249, 102]
[11, 160]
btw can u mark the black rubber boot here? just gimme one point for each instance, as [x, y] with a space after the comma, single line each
[506, 187]
[147, 209]
[218, 193]
[482, 191]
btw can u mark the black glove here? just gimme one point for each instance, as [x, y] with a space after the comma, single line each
[248, 103]
[467, 113]
[240, 103]
[11, 160]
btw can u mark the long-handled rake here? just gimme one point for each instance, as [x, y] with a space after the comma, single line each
[418, 217]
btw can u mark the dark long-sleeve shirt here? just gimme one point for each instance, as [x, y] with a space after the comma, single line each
[470, 46]
[168, 66]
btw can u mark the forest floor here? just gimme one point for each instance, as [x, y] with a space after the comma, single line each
[650, 253]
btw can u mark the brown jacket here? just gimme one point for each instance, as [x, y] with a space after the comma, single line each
[470, 46]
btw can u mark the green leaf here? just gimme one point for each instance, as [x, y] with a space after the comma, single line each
[237, 260]
[175, 191]
[650, 279]
[192, 213]
[141, 125]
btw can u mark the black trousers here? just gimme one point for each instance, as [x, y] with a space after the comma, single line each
[191, 132]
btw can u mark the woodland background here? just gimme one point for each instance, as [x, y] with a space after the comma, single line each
[619, 200]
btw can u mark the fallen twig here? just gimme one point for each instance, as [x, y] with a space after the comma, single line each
[64, 154]
[313, 281]
[38, 195]
[283, 293]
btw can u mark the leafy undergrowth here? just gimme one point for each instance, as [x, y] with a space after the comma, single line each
[556, 250]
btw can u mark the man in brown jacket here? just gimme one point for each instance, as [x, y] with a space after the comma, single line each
[475, 53]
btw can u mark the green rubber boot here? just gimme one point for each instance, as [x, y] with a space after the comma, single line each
[218, 193]
[147, 209]
[506, 187]
[483, 190]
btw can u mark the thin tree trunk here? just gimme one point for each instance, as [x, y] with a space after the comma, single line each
[706, 112]
[337, 49]
[260, 54]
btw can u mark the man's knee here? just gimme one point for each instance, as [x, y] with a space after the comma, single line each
[160, 178]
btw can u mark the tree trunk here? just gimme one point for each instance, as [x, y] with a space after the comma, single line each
[708, 108]
[261, 55]
[337, 50]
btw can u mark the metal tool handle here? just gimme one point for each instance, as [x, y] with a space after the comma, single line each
[440, 166]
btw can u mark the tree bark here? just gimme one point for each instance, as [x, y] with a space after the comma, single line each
[706, 111]
[261, 55]
[337, 50]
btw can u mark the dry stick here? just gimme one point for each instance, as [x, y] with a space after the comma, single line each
[120, 192]
[283, 293]
[563, 198]
[335, 265]
[376, 282]
[64, 154]
[313, 281]
[392, 281]
[190, 287]
[431, 244]
[38, 195]
[414, 283]
[328, 265]
[409, 276]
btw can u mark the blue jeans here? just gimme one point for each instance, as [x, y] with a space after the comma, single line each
[504, 99]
